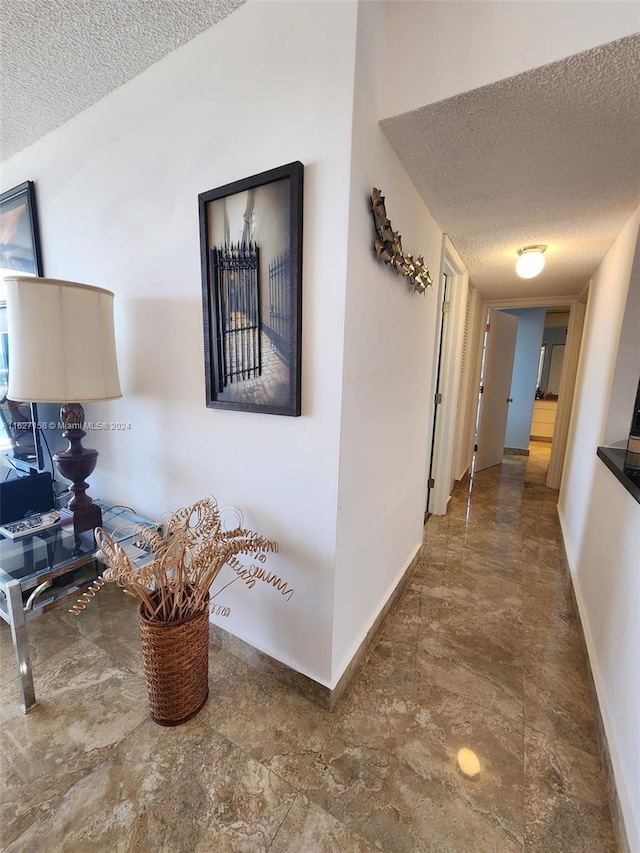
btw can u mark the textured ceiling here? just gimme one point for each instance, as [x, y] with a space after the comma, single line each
[550, 156]
[60, 56]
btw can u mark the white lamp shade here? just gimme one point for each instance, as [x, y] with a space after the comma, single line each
[61, 341]
[530, 263]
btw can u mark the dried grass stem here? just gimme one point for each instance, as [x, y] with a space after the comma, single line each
[187, 557]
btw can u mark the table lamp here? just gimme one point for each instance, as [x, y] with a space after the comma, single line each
[62, 350]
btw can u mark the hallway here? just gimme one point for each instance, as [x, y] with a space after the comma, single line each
[502, 630]
[482, 652]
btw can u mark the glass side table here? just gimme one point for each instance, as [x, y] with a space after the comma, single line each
[45, 570]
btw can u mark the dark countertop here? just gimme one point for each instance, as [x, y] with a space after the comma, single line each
[613, 458]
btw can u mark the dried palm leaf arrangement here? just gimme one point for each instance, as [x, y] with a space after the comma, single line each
[388, 248]
[187, 557]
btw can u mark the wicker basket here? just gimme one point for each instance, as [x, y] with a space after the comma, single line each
[176, 664]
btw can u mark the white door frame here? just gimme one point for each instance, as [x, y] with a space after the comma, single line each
[565, 393]
[451, 357]
[569, 369]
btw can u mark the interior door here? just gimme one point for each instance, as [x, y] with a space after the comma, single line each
[444, 331]
[496, 384]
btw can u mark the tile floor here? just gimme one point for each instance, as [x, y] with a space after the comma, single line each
[482, 652]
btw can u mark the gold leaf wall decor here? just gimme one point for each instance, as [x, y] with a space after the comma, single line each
[388, 248]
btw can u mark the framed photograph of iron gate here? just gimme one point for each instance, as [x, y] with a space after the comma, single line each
[19, 235]
[251, 256]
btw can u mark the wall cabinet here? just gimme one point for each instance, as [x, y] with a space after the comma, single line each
[544, 419]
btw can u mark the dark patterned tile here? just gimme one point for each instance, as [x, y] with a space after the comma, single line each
[173, 789]
[48, 635]
[397, 809]
[86, 706]
[565, 799]
[558, 701]
[263, 717]
[307, 827]
[484, 639]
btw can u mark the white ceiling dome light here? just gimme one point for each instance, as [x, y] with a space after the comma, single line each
[531, 261]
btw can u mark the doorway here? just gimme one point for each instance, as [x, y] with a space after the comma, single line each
[498, 360]
[444, 331]
[448, 356]
[544, 366]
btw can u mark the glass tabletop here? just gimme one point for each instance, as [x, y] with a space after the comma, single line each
[57, 547]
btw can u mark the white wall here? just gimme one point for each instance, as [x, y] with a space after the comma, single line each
[477, 322]
[600, 522]
[525, 373]
[117, 191]
[627, 369]
[435, 50]
[388, 359]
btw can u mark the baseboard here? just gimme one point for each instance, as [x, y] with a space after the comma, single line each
[463, 476]
[312, 690]
[350, 673]
[615, 805]
[317, 693]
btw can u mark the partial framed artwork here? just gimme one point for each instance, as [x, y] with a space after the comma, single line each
[251, 258]
[19, 234]
[20, 254]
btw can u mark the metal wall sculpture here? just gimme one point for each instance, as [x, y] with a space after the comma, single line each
[388, 248]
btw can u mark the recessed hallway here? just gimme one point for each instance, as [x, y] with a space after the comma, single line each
[482, 652]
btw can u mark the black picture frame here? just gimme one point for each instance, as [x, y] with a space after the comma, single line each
[20, 249]
[251, 259]
[19, 253]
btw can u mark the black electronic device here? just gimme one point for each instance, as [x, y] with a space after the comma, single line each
[23, 496]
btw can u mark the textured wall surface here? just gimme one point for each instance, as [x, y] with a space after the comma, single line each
[61, 56]
[549, 156]
[545, 156]
[435, 50]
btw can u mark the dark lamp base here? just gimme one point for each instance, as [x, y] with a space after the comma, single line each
[80, 520]
[76, 463]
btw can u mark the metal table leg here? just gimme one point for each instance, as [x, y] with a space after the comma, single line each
[18, 625]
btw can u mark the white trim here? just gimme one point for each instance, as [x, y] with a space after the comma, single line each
[451, 257]
[532, 302]
[434, 377]
[362, 636]
[444, 439]
[462, 404]
[565, 395]
[478, 323]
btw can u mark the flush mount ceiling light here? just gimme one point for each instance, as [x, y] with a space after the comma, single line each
[531, 261]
